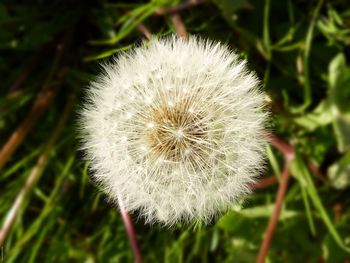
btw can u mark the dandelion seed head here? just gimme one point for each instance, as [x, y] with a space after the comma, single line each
[174, 128]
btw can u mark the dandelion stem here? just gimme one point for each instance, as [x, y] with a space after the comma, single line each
[288, 153]
[125, 216]
[130, 232]
[271, 227]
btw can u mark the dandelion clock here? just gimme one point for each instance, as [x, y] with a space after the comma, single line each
[174, 129]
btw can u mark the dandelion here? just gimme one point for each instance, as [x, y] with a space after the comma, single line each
[174, 129]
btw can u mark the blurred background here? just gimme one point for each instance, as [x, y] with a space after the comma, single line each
[51, 211]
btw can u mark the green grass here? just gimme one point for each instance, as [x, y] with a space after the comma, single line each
[300, 49]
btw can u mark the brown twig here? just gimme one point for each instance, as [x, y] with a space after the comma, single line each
[41, 103]
[130, 231]
[338, 210]
[23, 76]
[284, 147]
[28, 69]
[17, 137]
[178, 8]
[271, 227]
[34, 175]
[144, 30]
[263, 183]
[39, 106]
[179, 25]
[317, 172]
[288, 153]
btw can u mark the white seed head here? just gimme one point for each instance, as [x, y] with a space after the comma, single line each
[175, 129]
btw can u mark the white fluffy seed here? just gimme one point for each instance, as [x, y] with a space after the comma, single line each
[190, 140]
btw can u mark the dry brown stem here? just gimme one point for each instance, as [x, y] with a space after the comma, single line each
[34, 175]
[179, 25]
[288, 153]
[40, 104]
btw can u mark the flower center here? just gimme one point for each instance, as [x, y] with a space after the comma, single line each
[175, 132]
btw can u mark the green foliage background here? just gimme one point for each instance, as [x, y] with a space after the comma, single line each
[299, 48]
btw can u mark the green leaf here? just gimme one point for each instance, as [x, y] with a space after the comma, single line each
[341, 127]
[273, 161]
[301, 172]
[331, 251]
[339, 82]
[322, 115]
[306, 61]
[107, 53]
[266, 211]
[139, 15]
[229, 8]
[232, 220]
[338, 173]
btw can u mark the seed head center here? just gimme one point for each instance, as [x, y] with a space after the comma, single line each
[176, 131]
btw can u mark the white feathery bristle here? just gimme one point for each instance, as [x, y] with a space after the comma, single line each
[175, 129]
